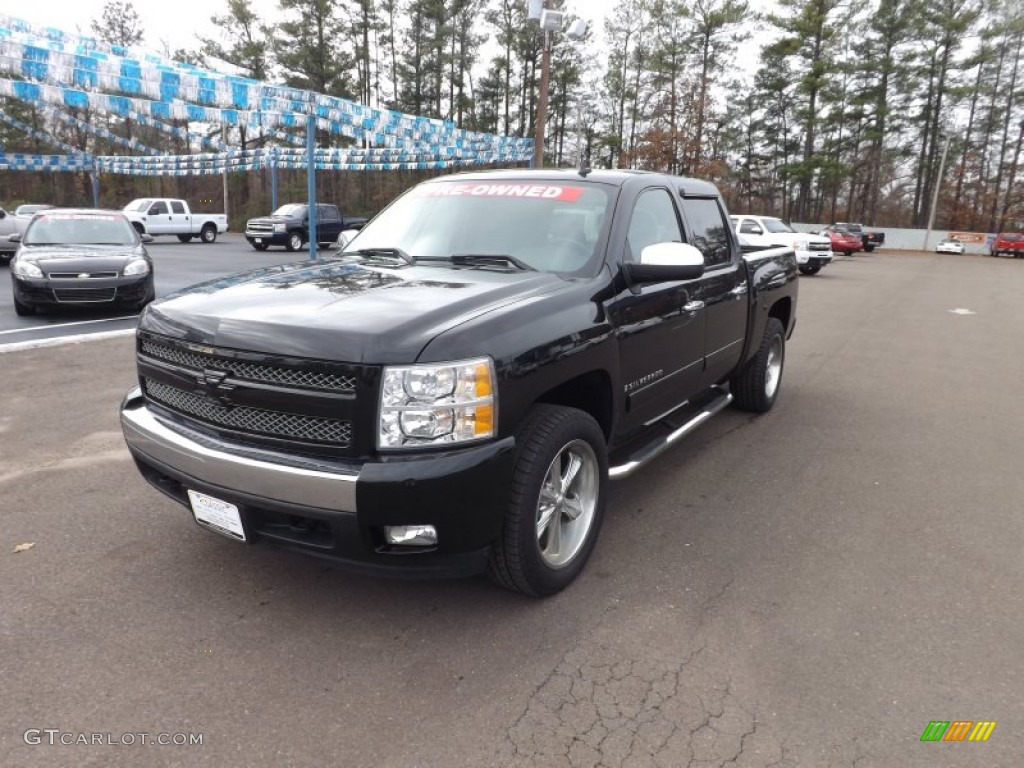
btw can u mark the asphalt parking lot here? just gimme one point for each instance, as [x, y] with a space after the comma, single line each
[807, 588]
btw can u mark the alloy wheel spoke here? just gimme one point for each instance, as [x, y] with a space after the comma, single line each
[572, 469]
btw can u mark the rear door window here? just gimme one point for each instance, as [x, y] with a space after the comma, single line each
[707, 229]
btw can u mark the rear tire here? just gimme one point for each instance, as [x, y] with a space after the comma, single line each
[556, 502]
[757, 384]
[208, 233]
[185, 238]
[809, 270]
[23, 310]
[869, 248]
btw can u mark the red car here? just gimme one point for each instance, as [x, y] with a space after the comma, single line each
[843, 241]
[1008, 242]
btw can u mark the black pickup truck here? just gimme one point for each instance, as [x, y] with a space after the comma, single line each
[870, 239]
[289, 226]
[451, 392]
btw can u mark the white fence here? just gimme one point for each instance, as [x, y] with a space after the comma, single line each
[914, 239]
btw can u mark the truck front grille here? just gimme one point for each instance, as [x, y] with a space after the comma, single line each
[252, 420]
[275, 401]
[196, 362]
[820, 246]
[260, 229]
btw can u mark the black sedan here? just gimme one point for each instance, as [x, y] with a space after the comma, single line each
[81, 258]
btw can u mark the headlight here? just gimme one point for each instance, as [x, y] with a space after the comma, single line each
[26, 269]
[137, 267]
[435, 404]
[801, 245]
[279, 227]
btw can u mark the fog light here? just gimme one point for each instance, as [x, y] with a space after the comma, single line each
[411, 535]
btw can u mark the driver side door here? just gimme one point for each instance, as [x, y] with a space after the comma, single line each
[660, 326]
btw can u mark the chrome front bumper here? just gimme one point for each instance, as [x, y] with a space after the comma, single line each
[147, 435]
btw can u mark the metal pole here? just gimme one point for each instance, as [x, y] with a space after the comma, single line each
[94, 177]
[542, 102]
[935, 195]
[224, 138]
[311, 174]
[273, 181]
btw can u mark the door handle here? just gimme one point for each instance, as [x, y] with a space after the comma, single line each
[693, 306]
[739, 290]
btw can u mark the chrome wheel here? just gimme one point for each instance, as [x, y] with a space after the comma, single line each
[773, 369]
[568, 499]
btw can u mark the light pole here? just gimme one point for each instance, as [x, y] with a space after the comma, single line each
[935, 194]
[550, 21]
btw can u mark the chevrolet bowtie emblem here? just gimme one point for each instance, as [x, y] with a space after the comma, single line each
[212, 383]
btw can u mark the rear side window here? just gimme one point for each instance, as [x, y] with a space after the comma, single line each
[749, 227]
[177, 206]
[707, 229]
[328, 213]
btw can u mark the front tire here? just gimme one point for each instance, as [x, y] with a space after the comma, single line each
[294, 242]
[556, 503]
[869, 248]
[756, 385]
[809, 270]
[208, 233]
[260, 246]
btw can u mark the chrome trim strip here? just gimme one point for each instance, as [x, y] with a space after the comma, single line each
[656, 448]
[142, 431]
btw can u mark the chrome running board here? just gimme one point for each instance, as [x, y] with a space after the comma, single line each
[655, 448]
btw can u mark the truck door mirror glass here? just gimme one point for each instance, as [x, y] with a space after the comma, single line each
[16, 237]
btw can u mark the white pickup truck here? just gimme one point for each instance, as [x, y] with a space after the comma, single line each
[812, 251]
[167, 216]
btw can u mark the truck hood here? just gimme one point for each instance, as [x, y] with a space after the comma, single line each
[342, 311]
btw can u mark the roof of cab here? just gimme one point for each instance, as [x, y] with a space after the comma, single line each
[617, 177]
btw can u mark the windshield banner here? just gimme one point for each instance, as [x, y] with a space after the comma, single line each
[541, 191]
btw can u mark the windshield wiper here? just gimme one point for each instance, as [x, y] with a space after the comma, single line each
[376, 253]
[490, 260]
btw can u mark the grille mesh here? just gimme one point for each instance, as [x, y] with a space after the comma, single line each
[270, 374]
[256, 420]
[84, 294]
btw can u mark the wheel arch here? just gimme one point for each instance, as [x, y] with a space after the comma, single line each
[590, 392]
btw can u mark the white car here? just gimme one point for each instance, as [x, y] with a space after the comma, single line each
[950, 245]
[812, 251]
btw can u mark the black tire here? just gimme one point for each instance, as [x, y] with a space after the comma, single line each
[757, 384]
[23, 310]
[324, 246]
[139, 228]
[185, 238]
[260, 246]
[294, 242]
[208, 233]
[807, 269]
[549, 442]
[848, 253]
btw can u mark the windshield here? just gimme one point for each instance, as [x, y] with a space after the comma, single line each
[777, 225]
[290, 210]
[80, 229]
[549, 227]
[138, 205]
